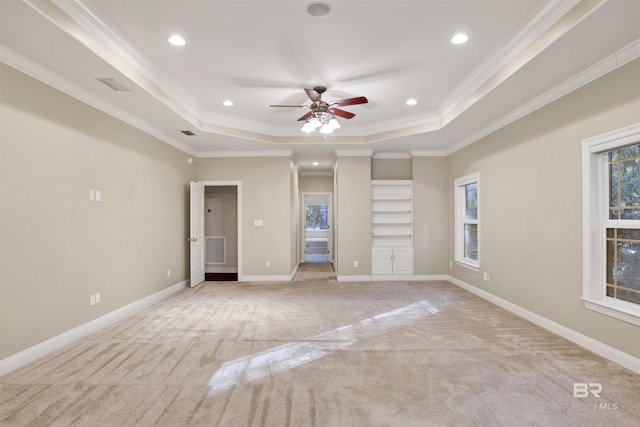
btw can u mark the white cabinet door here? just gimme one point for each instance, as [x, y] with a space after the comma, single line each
[403, 261]
[392, 261]
[381, 261]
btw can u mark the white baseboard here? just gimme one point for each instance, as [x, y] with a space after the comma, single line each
[390, 277]
[288, 278]
[601, 349]
[31, 354]
[343, 278]
[220, 269]
[407, 277]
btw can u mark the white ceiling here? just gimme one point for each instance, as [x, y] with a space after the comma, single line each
[521, 54]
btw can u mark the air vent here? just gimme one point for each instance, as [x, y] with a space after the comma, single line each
[114, 84]
[215, 250]
[187, 132]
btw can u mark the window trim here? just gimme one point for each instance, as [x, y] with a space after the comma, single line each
[460, 212]
[595, 217]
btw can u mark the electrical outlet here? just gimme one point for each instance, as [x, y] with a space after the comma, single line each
[355, 263]
[450, 264]
[98, 298]
[93, 300]
[485, 276]
[268, 263]
[169, 273]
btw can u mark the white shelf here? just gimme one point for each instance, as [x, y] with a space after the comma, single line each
[400, 205]
[391, 215]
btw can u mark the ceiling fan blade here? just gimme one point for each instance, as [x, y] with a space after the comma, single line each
[351, 101]
[341, 113]
[312, 94]
[290, 106]
[306, 116]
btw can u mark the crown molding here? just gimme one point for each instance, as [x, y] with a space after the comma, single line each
[428, 153]
[79, 20]
[608, 64]
[98, 34]
[391, 156]
[52, 79]
[547, 15]
[254, 153]
[353, 153]
[126, 58]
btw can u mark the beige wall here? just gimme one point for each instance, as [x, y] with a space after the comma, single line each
[57, 247]
[530, 206]
[316, 184]
[266, 195]
[353, 198]
[391, 169]
[221, 219]
[430, 216]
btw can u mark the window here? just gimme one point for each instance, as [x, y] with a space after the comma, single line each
[316, 216]
[611, 224]
[467, 231]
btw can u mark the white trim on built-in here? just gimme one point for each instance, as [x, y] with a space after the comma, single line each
[595, 219]
[58, 342]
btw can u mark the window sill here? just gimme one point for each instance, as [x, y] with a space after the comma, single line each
[468, 265]
[617, 309]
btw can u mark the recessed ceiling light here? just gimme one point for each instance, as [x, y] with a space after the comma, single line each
[318, 10]
[177, 40]
[315, 163]
[411, 101]
[459, 38]
[227, 103]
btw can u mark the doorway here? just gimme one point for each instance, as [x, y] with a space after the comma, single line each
[216, 230]
[316, 224]
[221, 232]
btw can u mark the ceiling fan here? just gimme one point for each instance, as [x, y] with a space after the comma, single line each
[322, 116]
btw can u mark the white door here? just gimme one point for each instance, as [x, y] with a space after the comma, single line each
[196, 239]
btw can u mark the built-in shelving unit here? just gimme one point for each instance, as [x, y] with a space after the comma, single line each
[392, 226]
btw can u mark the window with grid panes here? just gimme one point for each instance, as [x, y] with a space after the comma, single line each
[467, 248]
[611, 223]
[622, 236]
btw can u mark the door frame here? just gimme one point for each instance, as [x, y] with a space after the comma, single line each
[303, 224]
[238, 185]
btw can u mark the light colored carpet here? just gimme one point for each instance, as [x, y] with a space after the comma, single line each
[316, 352]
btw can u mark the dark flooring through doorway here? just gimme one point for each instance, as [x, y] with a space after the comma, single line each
[221, 277]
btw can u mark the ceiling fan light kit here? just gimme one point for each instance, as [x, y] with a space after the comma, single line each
[322, 117]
